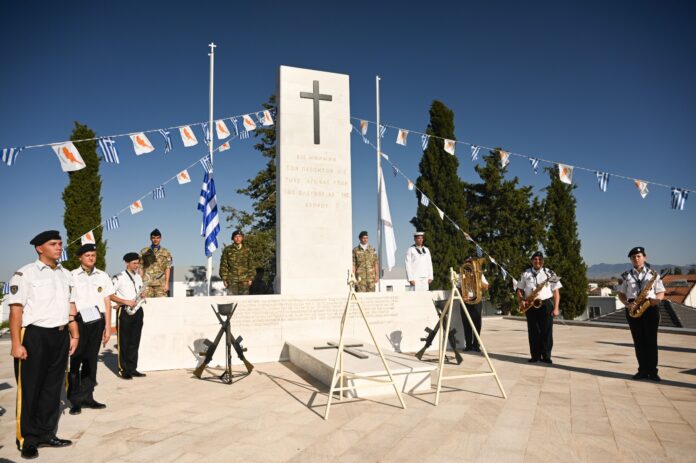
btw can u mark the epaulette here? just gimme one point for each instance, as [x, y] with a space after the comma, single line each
[625, 274]
[19, 274]
[549, 271]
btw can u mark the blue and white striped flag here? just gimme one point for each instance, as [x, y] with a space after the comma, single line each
[679, 198]
[108, 149]
[206, 135]
[395, 170]
[603, 180]
[207, 165]
[234, 123]
[475, 152]
[243, 135]
[167, 140]
[207, 204]
[158, 193]
[535, 164]
[64, 255]
[6, 288]
[382, 130]
[424, 200]
[479, 251]
[502, 270]
[365, 140]
[424, 141]
[9, 155]
[112, 223]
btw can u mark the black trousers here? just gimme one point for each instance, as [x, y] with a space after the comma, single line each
[644, 333]
[83, 364]
[40, 379]
[129, 328]
[475, 314]
[540, 330]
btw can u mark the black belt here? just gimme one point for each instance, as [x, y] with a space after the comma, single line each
[56, 328]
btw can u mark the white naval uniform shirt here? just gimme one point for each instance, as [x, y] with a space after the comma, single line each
[419, 267]
[90, 289]
[125, 288]
[634, 282]
[43, 293]
[530, 279]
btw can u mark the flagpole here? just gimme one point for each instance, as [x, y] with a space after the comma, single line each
[209, 268]
[379, 202]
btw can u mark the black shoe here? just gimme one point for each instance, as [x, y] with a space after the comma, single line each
[126, 375]
[75, 410]
[55, 442]
[93, 404]
[547, 360]
[468, 349]
[533, 360]
[640, 375]
[654, 377]
[476, 349]
[29, 452]
[137, 374]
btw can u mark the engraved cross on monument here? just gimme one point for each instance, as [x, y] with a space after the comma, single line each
[316, 96]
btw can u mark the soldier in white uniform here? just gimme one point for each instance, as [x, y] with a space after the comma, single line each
[419, 266]
[539, 321]
[39, 323]
[643, 328]
[90, 296]
[128, 287]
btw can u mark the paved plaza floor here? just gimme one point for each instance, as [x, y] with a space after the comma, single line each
[584, 407]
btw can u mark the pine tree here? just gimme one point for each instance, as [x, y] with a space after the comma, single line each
[82, 199]
[439, 181]
[506, 220]
[562, 245]
[259, 225]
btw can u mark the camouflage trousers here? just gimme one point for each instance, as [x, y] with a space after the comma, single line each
[155, 291]
[238, 288]
[365, 286]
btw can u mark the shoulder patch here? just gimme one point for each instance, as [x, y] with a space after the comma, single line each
[14, 289]
[19, 274]
[625, 274]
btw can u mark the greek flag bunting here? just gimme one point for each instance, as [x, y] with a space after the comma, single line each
[206, 135]
[535, 164]
[479, 251]
[6, 288]
[679, 198]
[475, 152]
[207, 165]
[167, 140]
[108, 149]
[502, 270]
[234, 123]
[158, 193]
[395, 170]
[9, 155]
[602, 180]
[424, 200]
[64, 255]
[424, 141]
[207, 204]
[244, 135]
[382, 130]
[112, 223]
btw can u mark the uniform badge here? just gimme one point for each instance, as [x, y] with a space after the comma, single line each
[99, 289]
[14, 289]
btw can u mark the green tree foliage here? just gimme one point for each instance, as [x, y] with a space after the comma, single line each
[692, 271]
[439, 181]
[563, 245]
[82, 199]
[259, 225]
[506, 219]
[677, 271]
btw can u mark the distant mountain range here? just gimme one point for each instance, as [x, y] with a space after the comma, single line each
[614, 270]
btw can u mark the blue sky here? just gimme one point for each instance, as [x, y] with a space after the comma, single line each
[605, 85]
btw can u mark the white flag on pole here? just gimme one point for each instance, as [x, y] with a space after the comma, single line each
[386, 224]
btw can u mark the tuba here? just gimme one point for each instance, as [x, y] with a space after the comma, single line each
[470, 280]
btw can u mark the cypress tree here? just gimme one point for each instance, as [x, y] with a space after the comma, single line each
[439, 181]
[507, 221]
[562, 245]
[82, 199]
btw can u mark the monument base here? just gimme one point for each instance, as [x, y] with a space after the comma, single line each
[411, 376]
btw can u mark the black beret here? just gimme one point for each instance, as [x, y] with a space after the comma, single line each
[537, 254]
[86, 248]
[636, 250]
[237, 232]
[362, 233]
[155, 232]
[42, 237]
[131, 256]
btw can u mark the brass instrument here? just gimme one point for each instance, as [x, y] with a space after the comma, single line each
[642, 303]
[470, 280]
[532, 301]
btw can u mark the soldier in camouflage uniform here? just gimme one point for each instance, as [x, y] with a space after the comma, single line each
[155, 267]
[236, 267]
[365, 265]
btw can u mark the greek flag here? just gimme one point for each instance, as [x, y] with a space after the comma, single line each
[206, 135]
[234, 123]
[382, 129]
[112, 223]
[424, 141]
[503, 272]
[207, 204]
[167, 140]
[475, 152]
[603, 180]
[244, 135]
[64, 255]
[535, 164]
[479, 251]
[9, 155]
[207, 165]
[158, 193]
[6, 288]
[108, 149]
[424, 200]
[395, 170]
[679, 198]
[367, 142]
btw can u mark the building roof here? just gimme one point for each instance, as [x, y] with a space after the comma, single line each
[672, 315]
[678, 287]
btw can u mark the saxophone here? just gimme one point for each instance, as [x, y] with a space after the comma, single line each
[531, 301]
[642, 303]
[470, 278]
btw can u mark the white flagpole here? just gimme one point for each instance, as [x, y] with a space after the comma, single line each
[379, 202]
[209, 268]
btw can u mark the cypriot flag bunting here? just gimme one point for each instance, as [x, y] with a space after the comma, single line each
[225, 146]
[188, 138]
[249, 123]
[504, 159]
[401, 137]
[141, 144]
[221, 130]
[69, 157]
[183, 177]
[136, 206]
[363, 127]
[88, 238]
[642, 188]
[267, 119]
[565, 173]
[449, 146]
